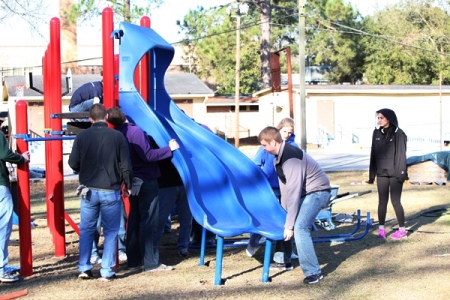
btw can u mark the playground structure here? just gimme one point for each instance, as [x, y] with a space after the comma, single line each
[228, 194]
[56, 214]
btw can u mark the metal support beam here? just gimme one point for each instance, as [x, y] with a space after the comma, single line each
[302, 112]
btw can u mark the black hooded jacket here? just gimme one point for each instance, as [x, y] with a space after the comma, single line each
[388, 153]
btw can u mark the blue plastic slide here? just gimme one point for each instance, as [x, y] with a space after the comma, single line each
[228, 194]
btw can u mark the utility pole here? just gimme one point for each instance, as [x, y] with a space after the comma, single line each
[239, 9]
[237, 97]
[302, 111]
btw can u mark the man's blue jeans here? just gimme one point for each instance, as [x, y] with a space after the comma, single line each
[310, 206]
[6, 211]
[169, 197]
[83, 106]
[109, 204]
[122, 234]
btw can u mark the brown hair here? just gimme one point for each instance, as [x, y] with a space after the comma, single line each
[270, 133]
[97, 112]
[286, 122]
[116, 116]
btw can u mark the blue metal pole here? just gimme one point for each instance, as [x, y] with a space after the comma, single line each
[219, 258]
[40, 139]
[202, 247]
[266, 264]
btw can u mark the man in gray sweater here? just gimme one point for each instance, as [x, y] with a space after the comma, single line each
[305, 190]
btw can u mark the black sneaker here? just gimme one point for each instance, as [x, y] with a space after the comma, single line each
[281, 267]
[86, 275]
[311, 279]
[195, 240]
[135, 268]
[183, 253]
[210, 241]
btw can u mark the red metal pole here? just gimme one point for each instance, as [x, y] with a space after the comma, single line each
[108, 57]
[23, 193]
[72, 223]
[56, 145]
[116, 80]
[144, 66]
[109, 62]
[137, 77]
[48, 150]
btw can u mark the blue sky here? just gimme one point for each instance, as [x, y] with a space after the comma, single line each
[163, 21]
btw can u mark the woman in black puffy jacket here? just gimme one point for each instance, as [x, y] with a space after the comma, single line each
[388, 164]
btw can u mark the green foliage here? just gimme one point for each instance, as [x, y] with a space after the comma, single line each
[413, 44]
[123, 9]
[210, 41]
[404, 43]
[330, 42]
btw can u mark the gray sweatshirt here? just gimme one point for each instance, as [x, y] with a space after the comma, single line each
[299, 175]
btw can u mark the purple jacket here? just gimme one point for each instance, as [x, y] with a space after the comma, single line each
[144, 158]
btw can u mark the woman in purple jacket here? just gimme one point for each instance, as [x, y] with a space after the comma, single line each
[144, 205]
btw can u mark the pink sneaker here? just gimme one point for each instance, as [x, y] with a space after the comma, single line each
[399, 234]
[381, 233]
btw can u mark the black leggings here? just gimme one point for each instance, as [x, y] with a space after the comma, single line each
[386, 186]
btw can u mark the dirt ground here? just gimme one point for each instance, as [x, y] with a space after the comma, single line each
[369, 268]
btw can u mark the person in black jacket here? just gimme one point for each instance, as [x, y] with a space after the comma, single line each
[101, 156]
[172, 193]
[85, 96]
[388, 164]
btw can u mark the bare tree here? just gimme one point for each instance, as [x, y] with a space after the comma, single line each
[33, 12]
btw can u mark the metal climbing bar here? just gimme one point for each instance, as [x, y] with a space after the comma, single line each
[346, 237]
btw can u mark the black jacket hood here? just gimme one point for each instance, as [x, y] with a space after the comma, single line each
[390, 115]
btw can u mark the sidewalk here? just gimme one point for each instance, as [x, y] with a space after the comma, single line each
[67, 172]
[331, 158]
[328, 159]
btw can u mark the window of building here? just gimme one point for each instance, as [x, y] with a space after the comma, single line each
[226, 109]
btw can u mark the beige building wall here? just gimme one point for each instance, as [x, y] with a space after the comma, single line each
[349, 115]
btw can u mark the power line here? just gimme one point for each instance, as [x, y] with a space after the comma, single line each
[351, 30]
[389, 39]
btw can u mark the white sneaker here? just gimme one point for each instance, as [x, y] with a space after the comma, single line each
[250, 251]
[161, 267]
[8, 277]
[96, 100]
[96, 260]
[123, 257]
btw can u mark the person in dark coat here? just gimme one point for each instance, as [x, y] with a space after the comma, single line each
[85, 96]
[388, 164]
[144, 204]
[101, 156]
